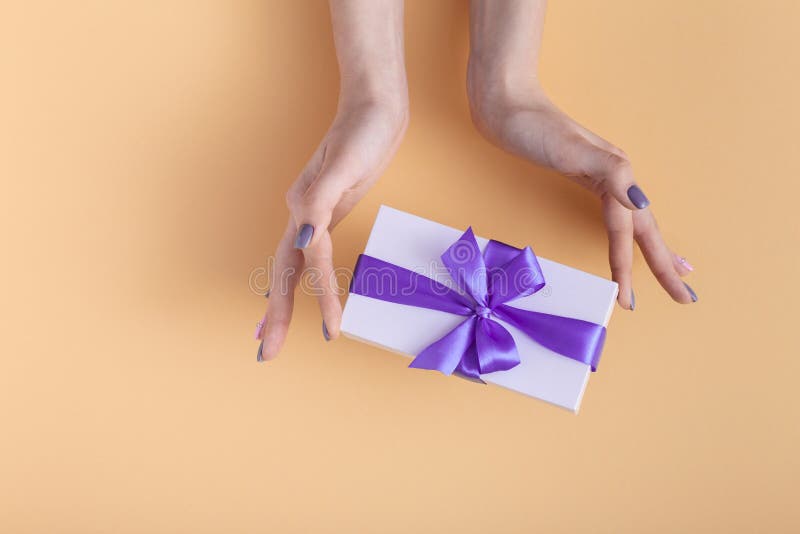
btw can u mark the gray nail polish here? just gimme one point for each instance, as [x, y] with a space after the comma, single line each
[691, 292]
[637, 197]
[260, 356]
[325, 333]
[266, 295]
[303, 237]
[633, 300]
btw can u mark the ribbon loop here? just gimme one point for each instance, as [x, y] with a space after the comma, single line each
[464, 261]
[495, 346]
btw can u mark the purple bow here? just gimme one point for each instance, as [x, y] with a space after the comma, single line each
[486, 282]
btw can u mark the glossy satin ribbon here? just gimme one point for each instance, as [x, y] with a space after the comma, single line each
[485, 282]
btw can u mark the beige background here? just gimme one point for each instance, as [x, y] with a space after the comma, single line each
[146, 148]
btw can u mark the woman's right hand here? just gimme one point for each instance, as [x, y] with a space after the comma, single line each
[360, 143]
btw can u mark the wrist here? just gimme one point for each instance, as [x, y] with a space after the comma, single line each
[497, 93]
[492, 80]
[505, 38]
[383, 89]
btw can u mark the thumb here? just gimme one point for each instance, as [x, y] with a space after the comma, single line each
[614, 173]
[311, 200]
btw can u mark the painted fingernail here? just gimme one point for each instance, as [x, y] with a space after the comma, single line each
[259, 327]
[325, 333]
[633, 300]
[685, 263]
[260, 355]
[266, 295]
[691, 292]
[303, 237]
[637, 197]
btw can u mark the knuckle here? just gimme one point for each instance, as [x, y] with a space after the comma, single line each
[618, 233]
[307, 203]
[617, 167]
[620, 274]
[664, 274]
[644, 229]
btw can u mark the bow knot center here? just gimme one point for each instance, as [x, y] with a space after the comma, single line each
[483, 311]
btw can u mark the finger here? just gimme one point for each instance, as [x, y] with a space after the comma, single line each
[313, 197]
[681, 264]
[659, 258]
[619, 225]
[613, 174]
[319, 262]
[287, 268]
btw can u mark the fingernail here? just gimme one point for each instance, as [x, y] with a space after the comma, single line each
[691, 292]
[259, 327]
[685, 263]
[325, 333]
[633, 300]
[303, 237]
[637, 197]
[259, 355]
[266, 295]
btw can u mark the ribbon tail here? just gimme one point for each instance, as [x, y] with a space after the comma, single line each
[469, 367]
[445, 354]
[576, 339]
[495, 347]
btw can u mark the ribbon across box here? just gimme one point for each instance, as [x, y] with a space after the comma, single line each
[478, 308]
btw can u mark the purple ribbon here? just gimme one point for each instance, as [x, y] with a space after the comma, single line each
[485, 282]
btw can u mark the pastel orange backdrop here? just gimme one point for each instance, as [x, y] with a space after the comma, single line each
[145, 151]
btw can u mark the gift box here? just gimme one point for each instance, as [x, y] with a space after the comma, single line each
[478, 308]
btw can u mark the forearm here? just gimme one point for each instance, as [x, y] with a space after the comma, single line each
[369, 47]
[505, 38]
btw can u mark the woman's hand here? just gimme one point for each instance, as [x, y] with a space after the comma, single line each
[510, 109]
[370, 122]
[349, 159]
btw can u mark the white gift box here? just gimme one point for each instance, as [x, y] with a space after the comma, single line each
[415, 243]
